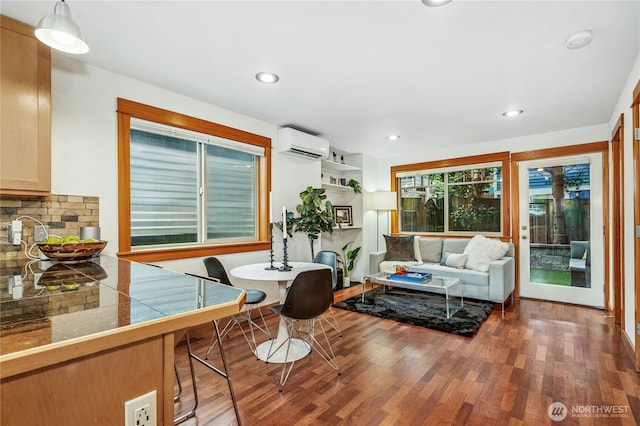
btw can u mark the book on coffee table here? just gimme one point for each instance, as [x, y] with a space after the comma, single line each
[412, 276]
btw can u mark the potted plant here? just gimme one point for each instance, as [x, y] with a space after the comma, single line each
[313, 219]
[347, 260]
[355, 185]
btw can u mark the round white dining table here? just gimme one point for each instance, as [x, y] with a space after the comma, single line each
[258, 272]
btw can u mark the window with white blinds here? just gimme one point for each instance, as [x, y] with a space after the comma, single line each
[188, 187]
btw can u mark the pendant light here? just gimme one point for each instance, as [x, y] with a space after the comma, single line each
[60, 32]
[435, 3]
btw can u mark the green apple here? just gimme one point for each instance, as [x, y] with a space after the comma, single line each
[70, 239]
[53, 240]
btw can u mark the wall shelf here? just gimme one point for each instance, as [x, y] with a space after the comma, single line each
[344, 196]
[333, 187]
[332, 166]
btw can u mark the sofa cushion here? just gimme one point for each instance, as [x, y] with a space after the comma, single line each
[482, 250]
[430, 249]
[577, 264]
[400, 248]
[456, 260]
[454, 245]
[578, 248]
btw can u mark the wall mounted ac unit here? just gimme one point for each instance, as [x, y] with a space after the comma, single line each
[292, 141]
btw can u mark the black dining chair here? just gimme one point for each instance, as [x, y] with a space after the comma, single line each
[216, 270]
[309, 296]
[330, 258]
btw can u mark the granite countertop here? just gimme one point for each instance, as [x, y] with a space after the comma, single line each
[53, 302]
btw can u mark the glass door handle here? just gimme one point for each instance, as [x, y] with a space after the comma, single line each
[524, 237]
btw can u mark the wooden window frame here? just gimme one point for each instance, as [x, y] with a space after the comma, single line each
[505, 200]
[128, 109]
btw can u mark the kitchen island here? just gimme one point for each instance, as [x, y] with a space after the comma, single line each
[79, 339]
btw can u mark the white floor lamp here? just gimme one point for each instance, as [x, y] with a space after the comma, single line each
[381, 201]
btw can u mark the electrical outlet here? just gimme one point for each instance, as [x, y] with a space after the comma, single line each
[40, 233]
[141, 411]
[15, 232]
[142, 416]
[15, 286]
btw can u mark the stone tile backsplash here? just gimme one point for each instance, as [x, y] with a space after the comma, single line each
[64, 214]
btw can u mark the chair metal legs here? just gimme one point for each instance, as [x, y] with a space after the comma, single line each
[225, 374]
[244, 315]
[192, 412]
[306, 332]
[333, 324]
[176, 397]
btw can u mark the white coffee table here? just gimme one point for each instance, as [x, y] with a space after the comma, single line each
[436, 284]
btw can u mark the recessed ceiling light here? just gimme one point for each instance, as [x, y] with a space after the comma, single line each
[579, 40]
[513, 113]
[267, 77]
[435, 3]
[393, 137]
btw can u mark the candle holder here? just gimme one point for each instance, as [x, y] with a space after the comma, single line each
[271, 267]
[285, 259]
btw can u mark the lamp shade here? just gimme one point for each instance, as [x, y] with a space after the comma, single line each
[60, 32]
[381, 200]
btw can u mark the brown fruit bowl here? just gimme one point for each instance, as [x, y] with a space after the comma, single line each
[72, 251]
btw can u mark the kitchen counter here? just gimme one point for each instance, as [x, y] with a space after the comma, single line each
[59, 321]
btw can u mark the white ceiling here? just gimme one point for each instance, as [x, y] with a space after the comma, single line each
[355, 71]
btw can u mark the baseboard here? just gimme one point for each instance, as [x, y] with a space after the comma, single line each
[628, 345]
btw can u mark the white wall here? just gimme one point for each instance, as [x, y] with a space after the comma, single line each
[626, 97]
[449, 149]
[84, 152]
[376, 177]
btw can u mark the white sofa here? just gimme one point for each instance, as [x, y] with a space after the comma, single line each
[494, 284]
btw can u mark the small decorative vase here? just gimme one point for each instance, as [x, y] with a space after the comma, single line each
[346, 282]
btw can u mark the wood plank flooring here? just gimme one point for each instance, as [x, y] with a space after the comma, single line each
[510, 373]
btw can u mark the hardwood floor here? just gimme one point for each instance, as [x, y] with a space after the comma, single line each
[396, 374]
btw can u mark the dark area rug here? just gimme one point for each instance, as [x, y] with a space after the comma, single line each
[422, 309]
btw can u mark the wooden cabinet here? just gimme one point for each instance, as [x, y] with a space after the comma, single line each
[25, 112]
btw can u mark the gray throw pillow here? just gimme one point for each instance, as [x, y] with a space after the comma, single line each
[400, 248]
